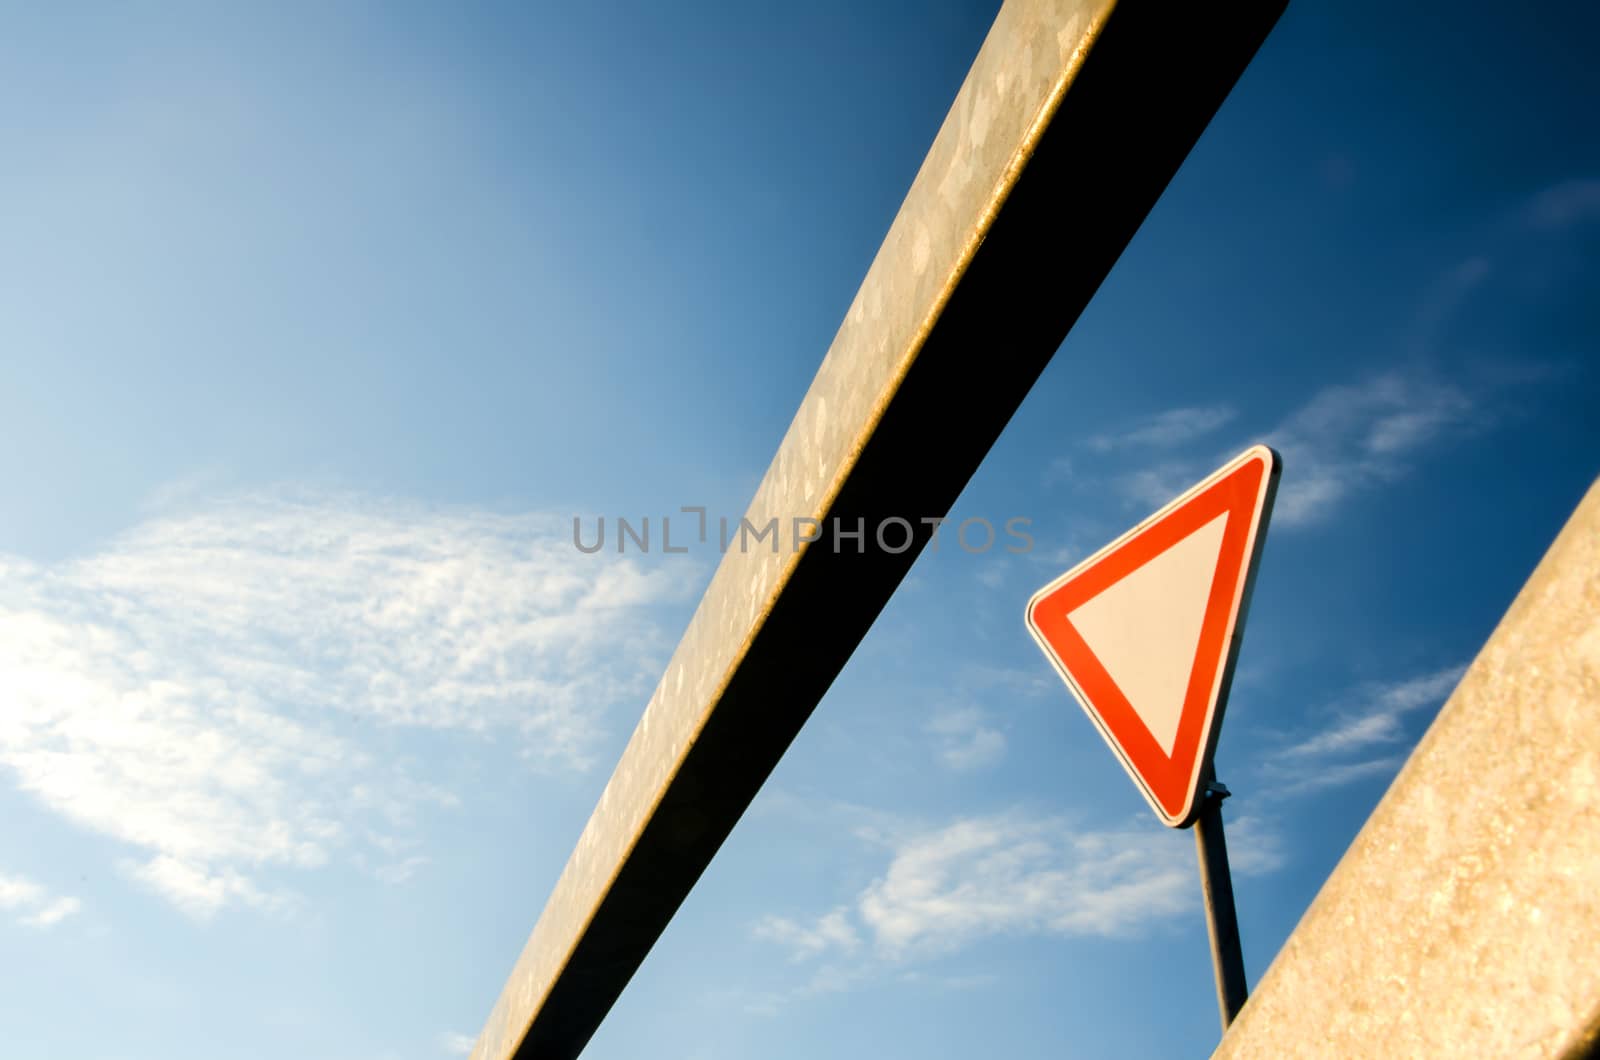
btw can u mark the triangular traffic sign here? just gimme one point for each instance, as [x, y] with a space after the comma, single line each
[1146, 631]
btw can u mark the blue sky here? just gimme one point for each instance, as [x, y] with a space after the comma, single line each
[318, 324]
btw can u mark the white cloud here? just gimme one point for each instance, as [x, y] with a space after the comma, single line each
[993, 575]
[1012, 874]
[1059, 470]
[831, 931]
[403, 870]
[1348, 437]
[1442, 302]
[1167, 429]
[198, 889]
[53, 913]
[208, 689]
[1010, 680]
[1564, 205]
[457, 1044]
[32, 904]
[965, 739]
[1152, 487]
[1341, 752]
[1351, 733]
[1377, 719]
[1352, 436]
[1326, 776]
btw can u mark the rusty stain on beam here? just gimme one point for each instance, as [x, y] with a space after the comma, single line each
[1073, 118]
[1465, 918]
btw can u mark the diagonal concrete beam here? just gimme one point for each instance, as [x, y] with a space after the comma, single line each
[1465, 918]
[1074, 117]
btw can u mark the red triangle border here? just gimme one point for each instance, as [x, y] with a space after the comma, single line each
[1169, 782]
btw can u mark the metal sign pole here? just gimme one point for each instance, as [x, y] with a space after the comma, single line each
[1120, 629]
[1216, 884]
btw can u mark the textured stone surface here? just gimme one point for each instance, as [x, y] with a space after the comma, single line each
[1465, 918]
[1006, 99]
[1056, 147]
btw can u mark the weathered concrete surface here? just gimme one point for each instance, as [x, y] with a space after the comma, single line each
[1075, 115]
[1465, 918]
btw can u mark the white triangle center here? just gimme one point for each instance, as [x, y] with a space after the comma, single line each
[1145, 629]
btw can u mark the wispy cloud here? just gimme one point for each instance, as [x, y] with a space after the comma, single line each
[831, 931]
[966, 739]
[1346, 438]
[844, 973]
[196, 690]
[1359, 434]
[1564, 205]
[1377, 718]
[1443, 301]
[1326, 776]
[1014, 874]
[993, 575]
[1009, 680]
[32, 904]
[1359, 739]
[1166, 429]
[1352, 436]
[1154, 486]
[454, 1043]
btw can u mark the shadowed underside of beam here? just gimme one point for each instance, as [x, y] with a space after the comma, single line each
[1074, 117]
[1465, 918]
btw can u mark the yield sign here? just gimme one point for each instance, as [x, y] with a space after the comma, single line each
[1145, 632]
